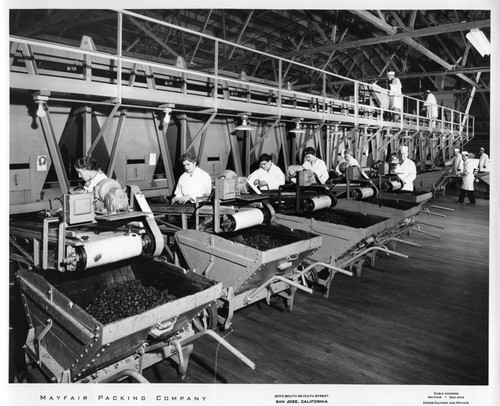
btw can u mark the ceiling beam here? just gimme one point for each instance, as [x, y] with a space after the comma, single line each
[453, 72]
[411, 42]
[413, 17]
[153, 36]
[238, 40]
[202, 31]
[49, 22]
[392, 37]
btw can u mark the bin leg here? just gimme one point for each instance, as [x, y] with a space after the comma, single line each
[182, 358]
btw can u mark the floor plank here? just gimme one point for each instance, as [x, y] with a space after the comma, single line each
[422, 320]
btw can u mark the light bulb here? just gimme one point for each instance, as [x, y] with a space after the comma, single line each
[166, 117]
[41, 111]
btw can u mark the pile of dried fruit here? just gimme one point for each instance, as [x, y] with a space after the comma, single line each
[125, 300]
[262, 242]
[329, 216]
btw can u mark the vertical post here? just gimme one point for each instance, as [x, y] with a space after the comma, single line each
[55, 153]
[116, 140]
[356, 103]
[86, 114]
[216, 72]
[183, 141]
[247, 152]
[119, 51]
[328, 152]
[165, 154]
[280, 86]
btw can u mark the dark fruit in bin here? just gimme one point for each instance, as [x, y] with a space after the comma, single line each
[126, 300]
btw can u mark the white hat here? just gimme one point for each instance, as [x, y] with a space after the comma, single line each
[391, 72]
[403, 148]
[456, 150]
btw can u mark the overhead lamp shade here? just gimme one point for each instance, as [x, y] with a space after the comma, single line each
[297, 129]
[244, 125]
[40, 112]
[166, 115]
[479, 41]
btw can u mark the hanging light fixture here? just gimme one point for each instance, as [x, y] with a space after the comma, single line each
[167, 110]
[166, 117]
[41, 101]
[297, 129]
[479, 41]
[244, 124]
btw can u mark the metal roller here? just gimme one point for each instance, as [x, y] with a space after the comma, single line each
[315, 203]
[248, 218]
[103, 249]
[363, 193]
[393, 185]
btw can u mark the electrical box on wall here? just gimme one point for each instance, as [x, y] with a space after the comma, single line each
[136, 170]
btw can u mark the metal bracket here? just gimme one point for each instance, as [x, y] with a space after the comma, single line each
[39, 338]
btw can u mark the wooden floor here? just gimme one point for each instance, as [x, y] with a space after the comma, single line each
[422, 320]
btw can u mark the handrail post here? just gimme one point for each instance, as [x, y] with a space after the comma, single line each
[216, 72]
[119, 54]
[280, 85]
[356, 103]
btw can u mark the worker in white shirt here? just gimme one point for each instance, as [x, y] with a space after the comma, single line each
[268, 176]
[430, 107]
[193, 183]
[467, 187]
[483, 165]
[405, 169]
[109, 196]
[345, 162]
[90, 171]
[395, 94]
[456, 163]
[312, 163]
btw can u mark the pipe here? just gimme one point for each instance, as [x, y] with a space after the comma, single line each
[248, 299]
[221, 340]
[388, 251]
[126, 373]
[333, 267]
[401, 241]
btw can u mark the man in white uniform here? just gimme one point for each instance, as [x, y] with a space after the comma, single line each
[193, 183]
[467, 187]
[406, 169]
[347, 161]
[316, 165]
[430, 107]
[395, 94]
[268, 176]
[456, 163]
[484, 159]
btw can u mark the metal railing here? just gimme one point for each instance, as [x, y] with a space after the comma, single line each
[229, 92]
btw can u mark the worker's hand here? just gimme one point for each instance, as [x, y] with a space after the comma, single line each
[262, 183]
[184, 199]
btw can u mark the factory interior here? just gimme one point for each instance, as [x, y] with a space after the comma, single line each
[355, 275]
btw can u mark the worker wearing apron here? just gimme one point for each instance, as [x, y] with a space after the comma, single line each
[467, 187]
